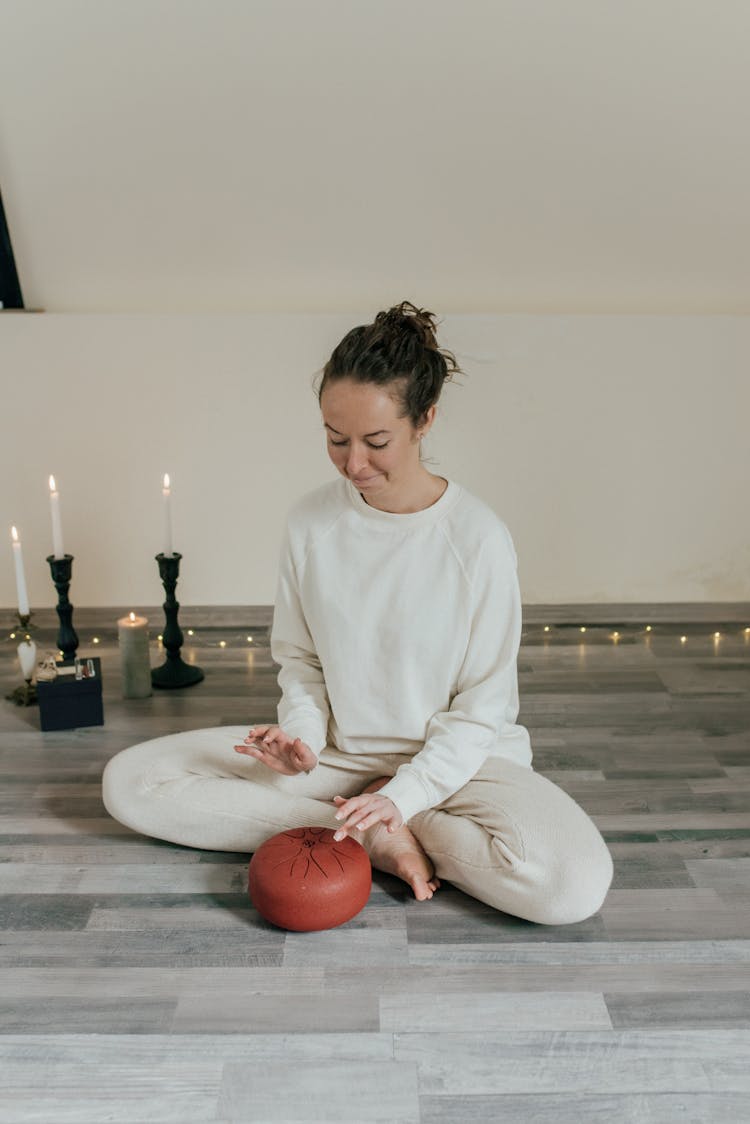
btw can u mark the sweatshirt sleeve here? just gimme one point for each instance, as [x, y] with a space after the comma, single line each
[303, 709]
[485, 706]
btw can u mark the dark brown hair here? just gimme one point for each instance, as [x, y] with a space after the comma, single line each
[398, 351]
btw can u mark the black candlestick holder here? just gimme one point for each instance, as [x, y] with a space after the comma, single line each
[67, 639]
[25, 695]
[174, 672]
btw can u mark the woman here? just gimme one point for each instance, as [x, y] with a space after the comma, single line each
[396, 626]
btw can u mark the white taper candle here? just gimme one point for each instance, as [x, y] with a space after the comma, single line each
[58, 549]
[23, 597]
[167, 493]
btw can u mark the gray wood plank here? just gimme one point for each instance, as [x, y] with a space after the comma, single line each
[700, 952]
[681, 1009]
[92, 1015]
[234, 1011]
[532, 1010]
[575, 1108]
[583, 1062]
[309, 1092]
[346, 945]
[183, 1051]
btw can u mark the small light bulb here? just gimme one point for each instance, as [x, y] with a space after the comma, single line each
[747, 632]
[546, 628]
[615, 635]
[683, 640]
[222, 643]
[95, 640]
[249, 639]
[717, 636]
[583, 630]
[159, 637]
[648, 628]
[12, 635]
[190, 632]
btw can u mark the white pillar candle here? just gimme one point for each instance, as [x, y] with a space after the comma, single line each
[167, 494]
[58, 549]
[135, 667]
[27, 658]
[23, 597]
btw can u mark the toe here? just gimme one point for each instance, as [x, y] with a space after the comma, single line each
[421, 888]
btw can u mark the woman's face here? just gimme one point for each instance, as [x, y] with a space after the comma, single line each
[367, 441]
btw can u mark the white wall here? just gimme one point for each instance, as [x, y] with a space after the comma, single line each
[305, 155]
[615, 447]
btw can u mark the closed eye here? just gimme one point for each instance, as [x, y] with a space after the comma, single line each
[372, 446]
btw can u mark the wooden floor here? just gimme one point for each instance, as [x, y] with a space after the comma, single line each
[138, 984]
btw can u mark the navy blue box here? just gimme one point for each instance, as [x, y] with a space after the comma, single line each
[66, 702]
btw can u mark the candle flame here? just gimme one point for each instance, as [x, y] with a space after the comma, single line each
[14, 534]
[52, 485]
[166, 479]
[132, 618]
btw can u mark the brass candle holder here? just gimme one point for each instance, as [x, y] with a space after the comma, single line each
[25, 695]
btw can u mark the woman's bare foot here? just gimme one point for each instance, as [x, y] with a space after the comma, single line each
[400, 853]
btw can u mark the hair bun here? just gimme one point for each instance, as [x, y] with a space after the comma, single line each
[407, 317]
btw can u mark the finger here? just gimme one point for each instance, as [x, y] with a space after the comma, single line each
[348, 816]
[249, 747]
[256, 733]
[355, 821]
[266, 733]
[270, 745]
[351, 813]
[277, 741]
[250, 751]
[343, 832]
[351, 806]
[277, 764]
[263, 753]
[368, 821]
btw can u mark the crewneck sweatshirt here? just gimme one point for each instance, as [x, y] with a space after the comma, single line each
[399, 633]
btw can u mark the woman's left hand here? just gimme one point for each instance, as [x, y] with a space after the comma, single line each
[364, 811]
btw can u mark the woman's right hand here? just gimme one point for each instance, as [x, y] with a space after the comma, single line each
[278, 751]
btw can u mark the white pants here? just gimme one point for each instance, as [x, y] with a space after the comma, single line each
[510, 837]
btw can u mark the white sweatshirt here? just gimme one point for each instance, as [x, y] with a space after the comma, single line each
[399, 633]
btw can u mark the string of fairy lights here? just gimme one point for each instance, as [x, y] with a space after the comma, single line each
[204, 640]
[649, 629]
[210, 638]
